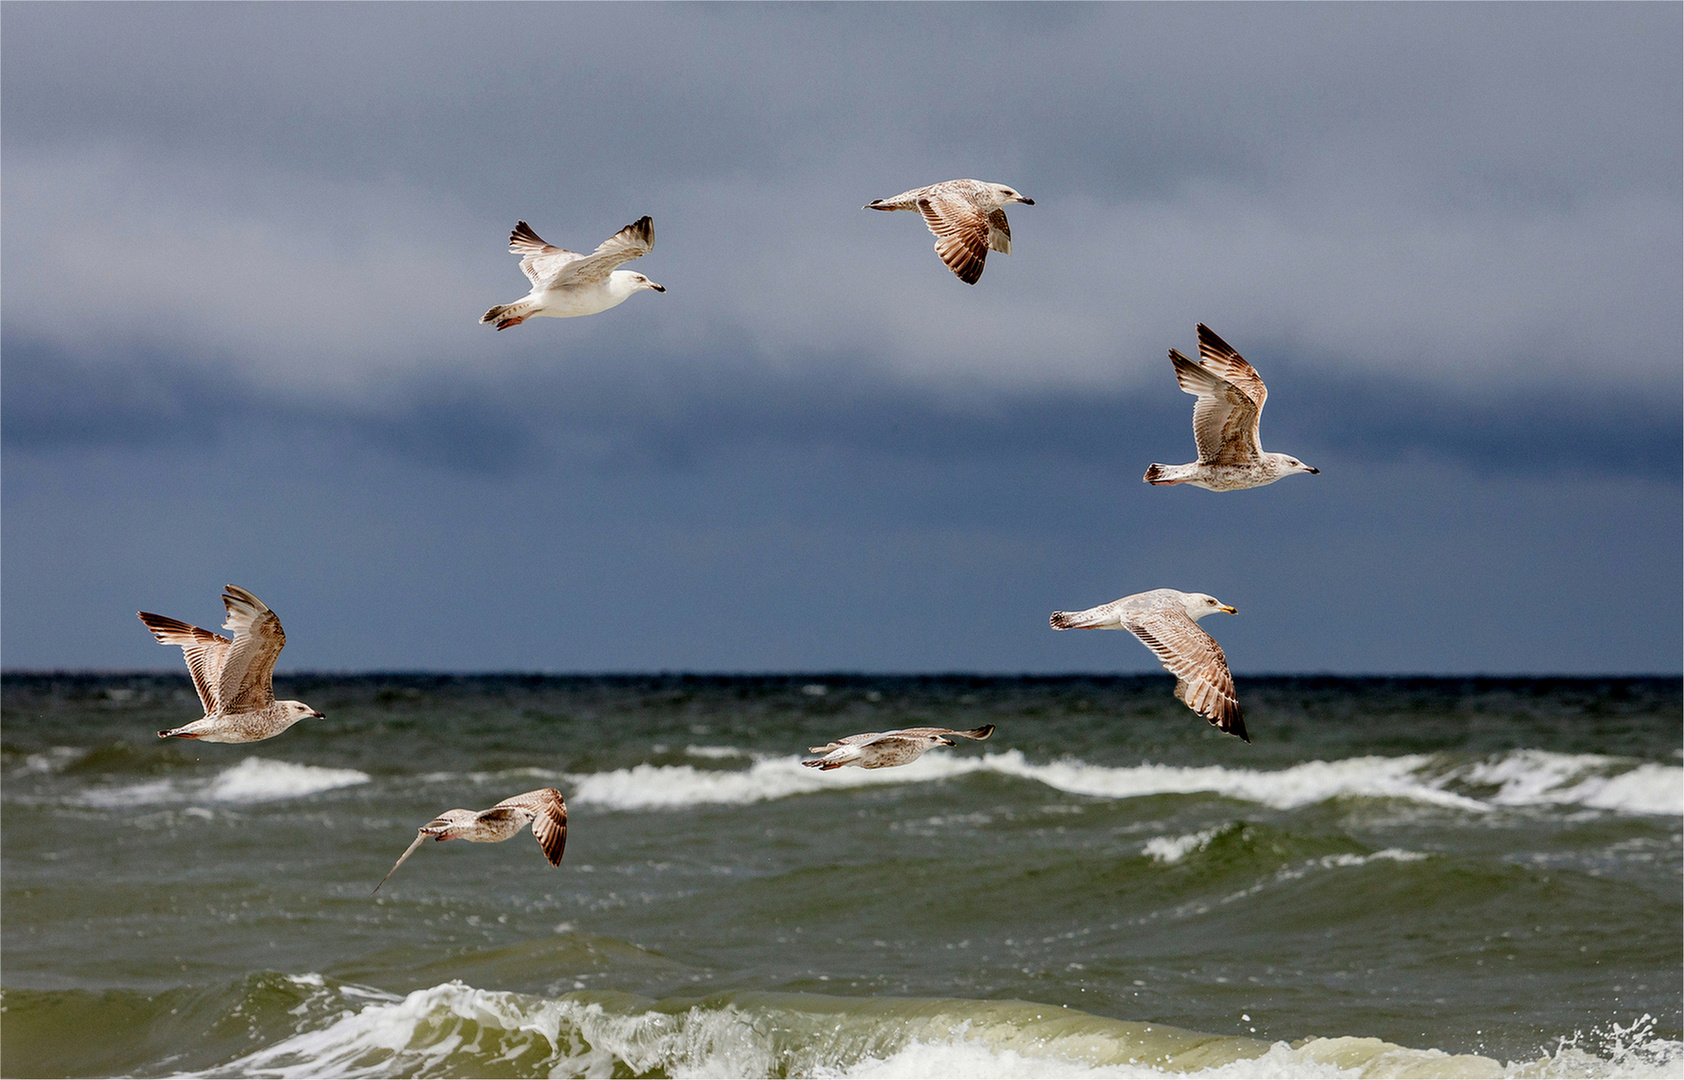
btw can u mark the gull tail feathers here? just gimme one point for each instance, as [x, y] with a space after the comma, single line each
[507, 315]
[1076, 620]
[1160, 475]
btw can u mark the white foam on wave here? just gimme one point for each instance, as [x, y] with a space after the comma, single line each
[1640, 1058]
[716, 752]
[53, 760]
[976, 1059]
[419, 1034]
[644, 787]
[1542, 777]
[655, 787]
[259, 779]
[1523, 777]
[1167, 849]
[1298, 785]
[456, 1029]
[253, 780]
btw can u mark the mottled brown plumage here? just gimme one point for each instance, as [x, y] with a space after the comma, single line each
[966, 219]
[881, 749]
[1167, 621]
[234, 677]
[1225, 420]
[543, 808]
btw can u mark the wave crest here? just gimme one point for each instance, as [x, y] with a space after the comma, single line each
[456, 1029]
[253, 780]
[1522, 777]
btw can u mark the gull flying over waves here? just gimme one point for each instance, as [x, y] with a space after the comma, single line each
[234, 678]
[966, 217]
[566, 283]
[1167, 621]
[544, 808]
[881, 749]
[1231, 396]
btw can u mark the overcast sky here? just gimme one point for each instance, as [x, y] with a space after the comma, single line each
[245, 249]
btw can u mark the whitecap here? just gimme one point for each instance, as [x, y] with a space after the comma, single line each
[653, 787]
[1166, 849]
[716, 752]
[259, 779]
[1523, 778]
[1298, 785]
[454, 1029]
[1543, 777]
[253, 780]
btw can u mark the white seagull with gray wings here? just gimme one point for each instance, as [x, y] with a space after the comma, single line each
[966, 217]
[1225, 418]
[566, 284]
[1167, 621]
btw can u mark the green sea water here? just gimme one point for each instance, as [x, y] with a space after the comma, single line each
[1397, 877]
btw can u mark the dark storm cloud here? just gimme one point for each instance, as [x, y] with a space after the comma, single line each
[246, 245]
[54, 401]
[312, 193]
[1534, 103]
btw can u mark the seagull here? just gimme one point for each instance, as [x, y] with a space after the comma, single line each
[566, 283]
[1231, 396]
[880, 749]
[1167, 621]
[235, 679]
[544, 808]
[966, 217]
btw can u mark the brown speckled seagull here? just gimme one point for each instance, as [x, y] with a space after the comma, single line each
[234, 678]
[1167, 621]
[881, 749]
[966, 217]
[1225, 418]
[544, 808]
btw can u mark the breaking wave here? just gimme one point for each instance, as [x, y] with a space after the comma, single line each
[253, 780]
[1521, 778]
[457, 1029]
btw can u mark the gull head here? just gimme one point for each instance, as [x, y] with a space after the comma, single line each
[297, 710]
[1286, 465]
[641, 282]
[1201, 604]
[1006, 195]
[938, 740]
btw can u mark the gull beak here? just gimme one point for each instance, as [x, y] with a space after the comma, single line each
[1229, 610]
[1026, 202]
[948, 742]
[317, 714]
[657, 288]
[1313, 469]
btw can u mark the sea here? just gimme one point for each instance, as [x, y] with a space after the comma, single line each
[1473, 877]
